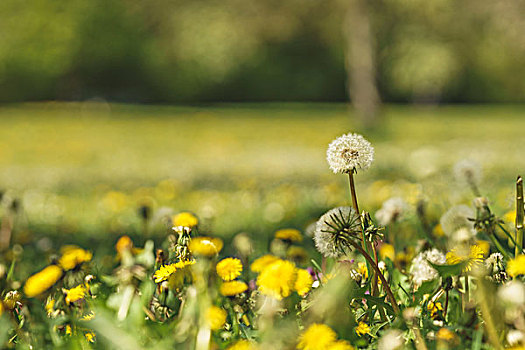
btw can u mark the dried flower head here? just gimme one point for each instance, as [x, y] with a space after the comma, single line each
[392, 211]
[348, 153]
[421, 270]
[334, 229]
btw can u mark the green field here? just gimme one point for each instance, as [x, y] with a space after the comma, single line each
[84, 168]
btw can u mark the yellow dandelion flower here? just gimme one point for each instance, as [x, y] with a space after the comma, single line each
[434, 308]
[362, 329]
[69, 330]
[42, 281]
[341, 345]
[510, 216]
[387, 251]
[90, 337]
[73, 256]
[317, 337]
[297, 254]
[303, 283]
[88, 317]
[229, 269]
[50, 306]
[182, 274]
[445, 334]
[277, 279]
[124, 243]
[242, 345]
[75, 294]
[289, 234]
[362, 269]
[438, 231]
[216, 317]
[206, 246]
[185, 219]
[516, 266]
[484, 246]
[164, 272]
[232, 288]
[473, 257]
[260, 264]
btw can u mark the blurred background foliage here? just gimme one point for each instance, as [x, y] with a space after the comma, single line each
[233, 50]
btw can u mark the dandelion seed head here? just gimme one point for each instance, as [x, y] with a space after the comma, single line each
[334, 228]
[421, 270]
[456, 218]
[349, 152]
[392, 211]
[391, 340]
[467, 171]
[512, 293]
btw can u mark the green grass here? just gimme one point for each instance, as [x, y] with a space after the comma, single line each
[241, 167]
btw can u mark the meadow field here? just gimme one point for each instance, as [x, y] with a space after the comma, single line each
[85, 168]
[92, 173]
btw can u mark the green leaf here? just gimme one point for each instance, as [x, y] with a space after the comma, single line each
[448, 270]
[427, 287]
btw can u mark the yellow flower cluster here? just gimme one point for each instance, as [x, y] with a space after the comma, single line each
[279, 278]
[205, 246]
[289, 234]
[73, 256]
[185, 219]
[229, 269]
[434, 308]
[42, 281]
[216, 317]
[362, 329]
[321, 337]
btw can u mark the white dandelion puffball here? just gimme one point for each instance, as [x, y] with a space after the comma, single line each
[512, 293]
[467, 171]
[456, 218]
[391, 340]
[392, 211]
[349, 152]
[334, 228]
[421, 270]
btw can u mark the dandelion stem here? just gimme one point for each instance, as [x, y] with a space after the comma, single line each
[379, 274]
[466, 289]
[446, 305]
[352, 193]
[519, 216]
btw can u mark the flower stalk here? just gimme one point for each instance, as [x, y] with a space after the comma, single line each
[519, 217]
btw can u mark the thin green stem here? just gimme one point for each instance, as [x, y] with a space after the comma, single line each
[379, 274]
